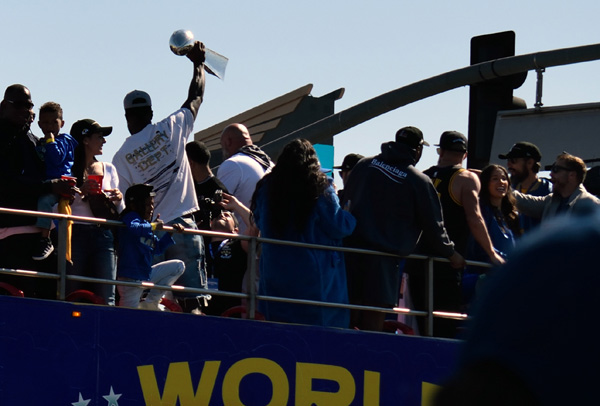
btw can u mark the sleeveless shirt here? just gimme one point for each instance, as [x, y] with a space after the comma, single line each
[455, 220]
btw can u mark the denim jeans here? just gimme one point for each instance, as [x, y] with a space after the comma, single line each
[163, 273]
[46, 203]
[93, 255]
[190, 249]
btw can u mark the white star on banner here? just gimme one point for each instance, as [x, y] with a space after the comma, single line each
[112, 398]
[81, 402]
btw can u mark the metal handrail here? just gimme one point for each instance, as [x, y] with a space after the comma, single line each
[252, 295]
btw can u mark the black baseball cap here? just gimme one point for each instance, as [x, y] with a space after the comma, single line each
[87, 126]
[411, 136]
[349, 161]
[138, 192]
[523, 150]
[453, 141]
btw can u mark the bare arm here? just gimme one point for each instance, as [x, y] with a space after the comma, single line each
[457, 261]
[196, 91]
[230, 202]
[467, 186]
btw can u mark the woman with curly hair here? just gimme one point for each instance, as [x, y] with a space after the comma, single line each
[498, 208]
[296, 202]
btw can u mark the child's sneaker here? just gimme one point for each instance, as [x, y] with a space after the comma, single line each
[44, 249]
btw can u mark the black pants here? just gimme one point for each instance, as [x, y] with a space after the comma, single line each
[15, 253]
[446, 294]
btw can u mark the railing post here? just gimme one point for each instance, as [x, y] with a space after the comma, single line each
[61, 265]
[429, 296]
[251, 281]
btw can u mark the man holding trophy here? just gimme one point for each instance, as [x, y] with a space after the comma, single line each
[154, 154]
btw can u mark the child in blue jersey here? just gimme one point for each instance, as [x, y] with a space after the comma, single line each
[59, 153]
[137, 246]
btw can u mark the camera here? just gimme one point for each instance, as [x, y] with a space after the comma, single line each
[218, 196]
[213, 206]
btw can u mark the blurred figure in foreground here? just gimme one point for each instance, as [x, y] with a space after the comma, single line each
[530, 341]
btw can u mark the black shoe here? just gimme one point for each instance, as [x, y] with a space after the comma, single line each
[44, 249]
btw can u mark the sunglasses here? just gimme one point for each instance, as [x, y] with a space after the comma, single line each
[21, 105]
[557, 168]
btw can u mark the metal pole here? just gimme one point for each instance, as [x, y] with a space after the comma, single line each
[61, 265]
[321, 130]
[252, 279]
[538, 88]
[429, 296]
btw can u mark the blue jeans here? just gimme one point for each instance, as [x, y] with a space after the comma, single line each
[93, 255]
[46, 203]
[190, 249]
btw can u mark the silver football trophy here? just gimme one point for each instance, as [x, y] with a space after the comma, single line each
[182, 41]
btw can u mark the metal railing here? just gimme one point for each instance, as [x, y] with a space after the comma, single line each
[252, 296]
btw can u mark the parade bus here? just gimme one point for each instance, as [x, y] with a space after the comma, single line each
[72, 351]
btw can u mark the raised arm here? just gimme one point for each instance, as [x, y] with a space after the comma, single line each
[231, 203]
[196, 91]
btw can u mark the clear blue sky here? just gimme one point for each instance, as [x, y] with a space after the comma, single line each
[88, 55]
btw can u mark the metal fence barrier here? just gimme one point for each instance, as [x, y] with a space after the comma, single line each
[252, 297]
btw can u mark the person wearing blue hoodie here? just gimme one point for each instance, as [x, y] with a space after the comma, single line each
[137, 246]
[58, 150]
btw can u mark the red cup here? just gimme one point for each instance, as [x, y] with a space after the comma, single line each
[98, 179]
[72, 181]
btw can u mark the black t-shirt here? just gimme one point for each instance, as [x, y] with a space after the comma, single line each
[227, 262]
[205, 192]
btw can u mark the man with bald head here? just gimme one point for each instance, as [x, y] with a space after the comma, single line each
[245, 164]
[22, 183]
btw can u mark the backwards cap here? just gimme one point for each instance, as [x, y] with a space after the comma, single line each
[137, 98]
[411, 136]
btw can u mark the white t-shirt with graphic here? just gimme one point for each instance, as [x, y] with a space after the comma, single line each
[156, 156]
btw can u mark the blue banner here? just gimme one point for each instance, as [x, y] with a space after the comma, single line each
[56, 353]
